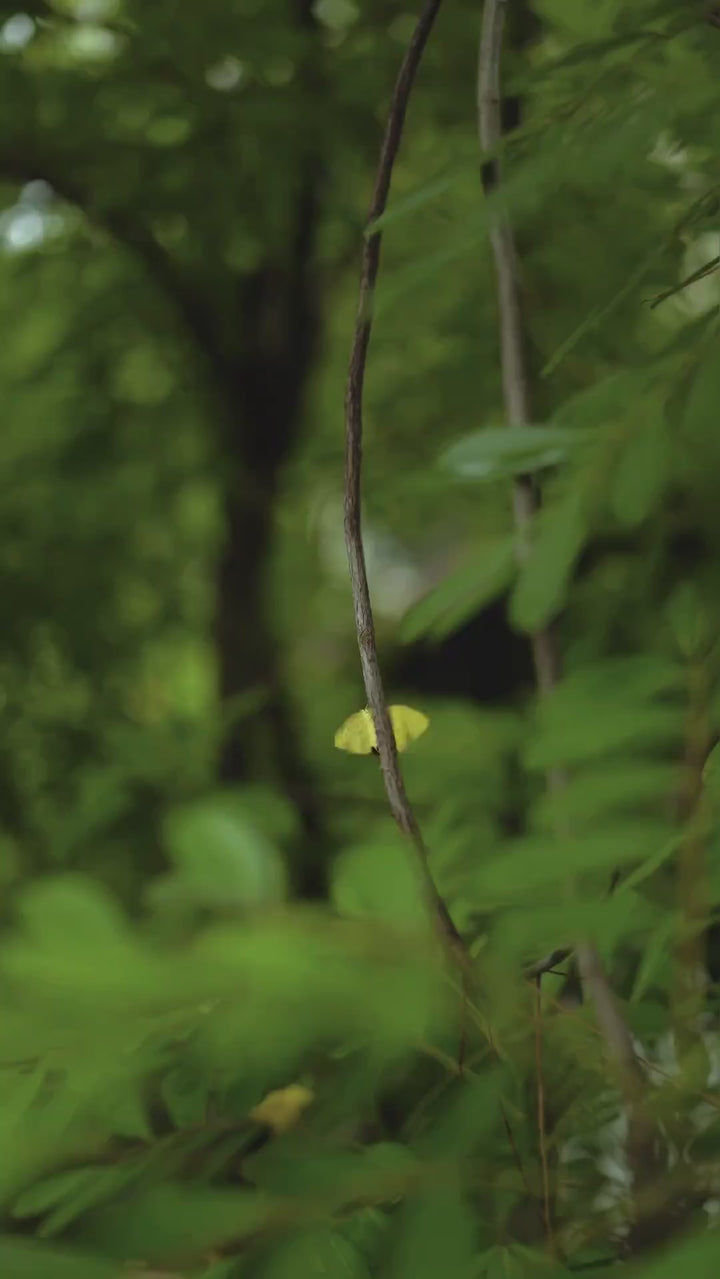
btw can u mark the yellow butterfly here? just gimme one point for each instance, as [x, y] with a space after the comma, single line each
[357, 734]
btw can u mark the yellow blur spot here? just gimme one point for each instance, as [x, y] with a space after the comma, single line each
[281, 1110]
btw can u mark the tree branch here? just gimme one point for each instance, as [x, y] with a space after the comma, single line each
[364, 623]
[546, 657]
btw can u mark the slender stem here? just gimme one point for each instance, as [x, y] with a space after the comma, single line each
[542, 1134]
[516, 395]
[364, 622]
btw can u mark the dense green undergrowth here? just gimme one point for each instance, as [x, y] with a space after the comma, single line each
[158, 977]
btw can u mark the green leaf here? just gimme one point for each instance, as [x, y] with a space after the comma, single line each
[655, 956]
[690, 622]
[610, 706]
[463, 592]
[185, 1093]
[71, 911]
[498, 452]
[68, 1196]
[695, 1257]
[222, 856]
[700, 436]
[400, 209]
[591, 793]
[426, 268]
[557, 540]
[576, 738]
[513, 1261]
[532, 864]
[711, 773]
[156, 1222]
[602, 312]
[27, 1259]
[53, 1190]
[380, 881]
[582, 20]
[641, 473]
[435, 1235]
[650, 864]
[317, 1254]
[460, 1121]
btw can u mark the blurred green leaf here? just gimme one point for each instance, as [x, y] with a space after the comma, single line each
[435, 1235]
[642, 473]
[185, 1093]
[157, 1222]
[463, 592]
[223, 858]
[690, 621]
[64, 1198]
[380, 881]
[498, 452]
[561, 532]
[611, 706]
[399, 209]
[593, 792]
[655, 957]
[316, 1253]
[26, 1259]
[532, 864]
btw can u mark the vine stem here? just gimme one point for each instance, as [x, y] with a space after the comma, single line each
[516, 395]
[398, 801]
[542, 1132]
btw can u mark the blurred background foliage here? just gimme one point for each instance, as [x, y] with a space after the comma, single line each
[204, 902]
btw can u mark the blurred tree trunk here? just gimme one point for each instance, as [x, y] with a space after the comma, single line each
[279, 316]
[278, 308]
[254, 336]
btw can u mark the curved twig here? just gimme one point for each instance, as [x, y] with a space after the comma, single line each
[364, 623]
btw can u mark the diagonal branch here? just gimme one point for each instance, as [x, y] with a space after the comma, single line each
[364, 623]
[615, 1032]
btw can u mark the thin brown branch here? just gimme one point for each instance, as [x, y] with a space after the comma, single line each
[542, 1133]
[516, 1153]
[364, 623]
[616, 1034]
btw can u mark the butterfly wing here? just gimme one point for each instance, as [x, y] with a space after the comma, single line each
[407, 725]
[356, 734]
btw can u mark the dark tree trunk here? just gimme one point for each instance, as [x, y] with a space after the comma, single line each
[279, 325]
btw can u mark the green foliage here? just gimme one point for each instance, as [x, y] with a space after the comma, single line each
[183, 191]
[463, 592]
[496, 453]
